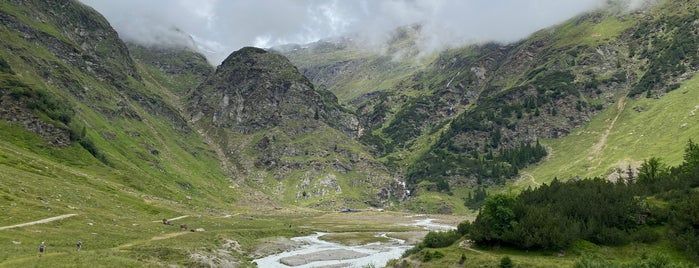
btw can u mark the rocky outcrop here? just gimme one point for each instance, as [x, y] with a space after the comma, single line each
[16, 113]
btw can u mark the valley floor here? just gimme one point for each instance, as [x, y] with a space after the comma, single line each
[234, 239]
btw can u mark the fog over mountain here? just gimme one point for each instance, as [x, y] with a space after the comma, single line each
[218, 27]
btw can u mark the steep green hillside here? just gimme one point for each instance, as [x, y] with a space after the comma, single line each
[557, 81]
[84, 135]
[104, 105]
[177, 69]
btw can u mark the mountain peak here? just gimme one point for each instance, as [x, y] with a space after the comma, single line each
[245, 51]
[253, 90]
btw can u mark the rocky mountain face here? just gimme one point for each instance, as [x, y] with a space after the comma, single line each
[475, 114]
[18, 102]
[86, 44]
[83, 41]
[254, 90]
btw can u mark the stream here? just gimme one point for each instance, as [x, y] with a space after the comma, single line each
[316, 252]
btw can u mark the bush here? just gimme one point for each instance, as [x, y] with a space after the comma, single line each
[413, 250]
[645, 234]
[463, 228]
[441, 239]
[429, 255]
[610, 236]
[506, 262]
[5, 67]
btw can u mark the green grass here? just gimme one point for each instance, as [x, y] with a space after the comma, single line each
[573, 33]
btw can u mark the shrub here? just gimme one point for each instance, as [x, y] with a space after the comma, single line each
[463, 228]
[431, 255]
[441, 239]
[645, 234]
[506, 262]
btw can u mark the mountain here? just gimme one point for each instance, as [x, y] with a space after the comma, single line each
[476, 115]
[279, 131]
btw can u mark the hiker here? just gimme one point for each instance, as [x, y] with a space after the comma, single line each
[166, 222]
[79, 245]
[183, 227]
[41, 248]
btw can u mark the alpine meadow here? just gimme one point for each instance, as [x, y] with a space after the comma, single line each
[577, 146]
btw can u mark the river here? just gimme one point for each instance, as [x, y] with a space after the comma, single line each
[316, 252]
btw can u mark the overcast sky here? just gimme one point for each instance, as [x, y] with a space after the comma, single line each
[219, 27]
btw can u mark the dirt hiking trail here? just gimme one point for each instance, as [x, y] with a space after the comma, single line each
[38, 222]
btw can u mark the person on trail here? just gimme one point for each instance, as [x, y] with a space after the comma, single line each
[79, 245]
[42, 247]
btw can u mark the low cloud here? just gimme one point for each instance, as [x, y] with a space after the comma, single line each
[219, 27]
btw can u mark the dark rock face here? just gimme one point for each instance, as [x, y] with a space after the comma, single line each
[254, 89]
[15, 112]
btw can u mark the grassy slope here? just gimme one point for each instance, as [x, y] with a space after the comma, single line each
[625, 134]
